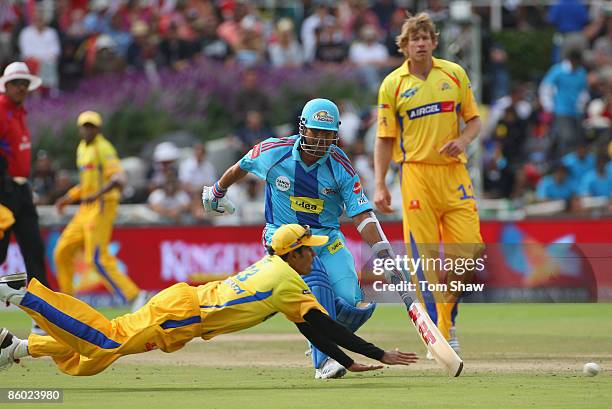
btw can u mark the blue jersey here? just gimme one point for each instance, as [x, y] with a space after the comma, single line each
[296, 193]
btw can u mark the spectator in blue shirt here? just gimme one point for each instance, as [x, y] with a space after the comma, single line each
[557, 186]
[580, 162]
[568, 17]
[564, 92]
[597, 182]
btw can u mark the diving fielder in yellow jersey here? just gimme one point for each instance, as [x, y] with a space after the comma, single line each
[420, 106]
[82, 341]
[99, 190]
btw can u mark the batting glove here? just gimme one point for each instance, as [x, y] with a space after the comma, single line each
[214, 200]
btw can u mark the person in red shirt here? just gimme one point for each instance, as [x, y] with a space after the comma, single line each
[15, 162]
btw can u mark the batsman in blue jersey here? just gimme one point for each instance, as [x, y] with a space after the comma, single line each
[310, 181]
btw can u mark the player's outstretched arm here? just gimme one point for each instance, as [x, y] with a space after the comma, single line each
[325, 331]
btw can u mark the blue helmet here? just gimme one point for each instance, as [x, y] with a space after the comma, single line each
[320, 113]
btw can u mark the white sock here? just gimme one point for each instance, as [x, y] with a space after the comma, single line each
[22, 349]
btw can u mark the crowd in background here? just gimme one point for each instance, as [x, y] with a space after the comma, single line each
[543, 140]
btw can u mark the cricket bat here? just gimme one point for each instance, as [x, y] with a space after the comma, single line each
[436, 344]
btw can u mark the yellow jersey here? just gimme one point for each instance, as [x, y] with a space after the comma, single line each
[97, 163]
[424, 115]
[254, 295]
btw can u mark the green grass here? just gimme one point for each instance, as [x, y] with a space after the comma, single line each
[516, 356]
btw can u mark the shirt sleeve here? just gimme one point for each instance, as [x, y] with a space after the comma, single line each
[110, 161]
[293, 298]
[263, 155]
[469, 107]
[387, 123]
[351, 189]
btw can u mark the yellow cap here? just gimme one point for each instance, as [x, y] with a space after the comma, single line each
[89, 117]
[290, 237]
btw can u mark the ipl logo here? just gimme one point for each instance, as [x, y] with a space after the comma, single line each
[323, 116]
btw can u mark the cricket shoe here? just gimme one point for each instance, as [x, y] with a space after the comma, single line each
[8, 345]
[13, 288]
[330, 369]
[453, 341]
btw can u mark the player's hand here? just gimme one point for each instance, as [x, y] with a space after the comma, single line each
[382, 200]
[397, 357]
[357, 367]
[60, 204]
[214, 204]
[454, 148]
[90, 198]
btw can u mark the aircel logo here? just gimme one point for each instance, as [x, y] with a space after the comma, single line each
[306, 204]
[444, 106]
[323, 116]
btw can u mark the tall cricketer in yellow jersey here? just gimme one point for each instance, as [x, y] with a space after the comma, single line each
[91, 227]
[421, 115]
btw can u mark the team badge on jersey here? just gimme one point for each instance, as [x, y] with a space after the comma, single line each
[414, 205]
[409, 92]
[443, 85]
[357, 188]
[335, 246]
[328, 191]
[323, 116]
[283, 183]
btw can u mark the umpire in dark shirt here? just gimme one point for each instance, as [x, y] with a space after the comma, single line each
[15, 164]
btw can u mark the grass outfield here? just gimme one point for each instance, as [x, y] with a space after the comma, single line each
[516, 356]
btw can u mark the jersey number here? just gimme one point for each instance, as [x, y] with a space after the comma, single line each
[252, 270]
[465, 195]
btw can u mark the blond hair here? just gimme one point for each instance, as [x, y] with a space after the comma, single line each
[414, 24]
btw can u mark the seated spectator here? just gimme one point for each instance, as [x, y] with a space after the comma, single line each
[254, 131]
[597, 182]
[41, 44]
[580, 162]
[250, 48]
[170, 201]
[197, 171]
[173, 50]
[98, 19]
[370, 56]
[599, 113]
[331, 46]
[557, 186]
[43, 178]
[286, 51]
[121, 38]
[106, 61]
[250, 97]
[164, 166]
[142, 49]
[208, 42]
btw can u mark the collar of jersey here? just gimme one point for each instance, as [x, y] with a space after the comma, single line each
[406, 71]
[295, 153]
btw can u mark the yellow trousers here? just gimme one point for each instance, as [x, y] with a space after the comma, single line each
[91, 229]
[439, 208]
[82, 341]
